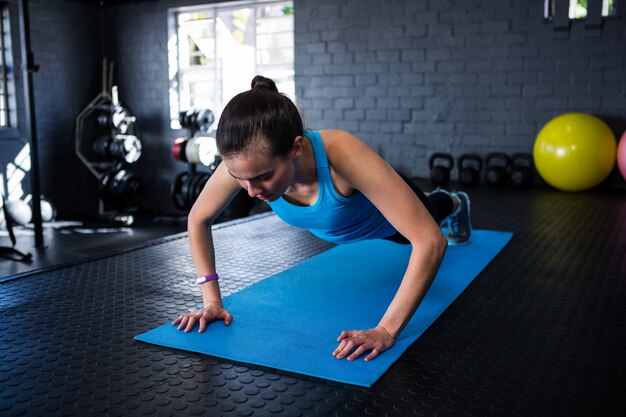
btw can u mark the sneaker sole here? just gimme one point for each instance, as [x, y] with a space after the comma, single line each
[453, 243]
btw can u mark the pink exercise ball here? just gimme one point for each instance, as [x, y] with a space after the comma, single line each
[621, 155]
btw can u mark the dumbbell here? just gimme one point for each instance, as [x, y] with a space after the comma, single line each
[470, 166]
[440, 165]
[521, 175]
[497, 166]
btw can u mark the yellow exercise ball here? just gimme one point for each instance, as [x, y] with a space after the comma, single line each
[575, 152]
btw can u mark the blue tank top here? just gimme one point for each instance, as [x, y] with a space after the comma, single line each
[333, 217]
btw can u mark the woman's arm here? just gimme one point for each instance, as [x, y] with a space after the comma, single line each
[215, 196]
[356, 164]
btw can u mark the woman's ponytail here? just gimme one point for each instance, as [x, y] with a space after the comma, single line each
[259, 114]
[260, 82]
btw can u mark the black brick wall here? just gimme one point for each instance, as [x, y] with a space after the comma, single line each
[65, 41]
[65, 38]
[411, 78]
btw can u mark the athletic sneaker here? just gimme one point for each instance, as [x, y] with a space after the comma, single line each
[459, 225]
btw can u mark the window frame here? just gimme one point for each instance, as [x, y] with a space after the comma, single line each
[549, 11]
[7, 76]
[213, 10]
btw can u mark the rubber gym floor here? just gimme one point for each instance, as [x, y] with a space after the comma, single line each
[540, 332]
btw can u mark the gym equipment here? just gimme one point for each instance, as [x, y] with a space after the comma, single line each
[440, 165]
[10, 252]
[575, 152]
[326, 293]
[104, 141]
[497, 166]
[28, 130]
[117, 118]
[178, 149]
[48, 210]
[201, 148]
[470, 166]
[197, 150]
[19, 212]
[120, 188]
[621, 156]
[112, 137]
[196, 119]
[180, 200]
[521, 175]
[187, 187]
[118, 148]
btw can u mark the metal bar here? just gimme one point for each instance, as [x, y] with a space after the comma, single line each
[594, 14]
[101, 99]
[28, 68]
[5, 90]
[561, 15]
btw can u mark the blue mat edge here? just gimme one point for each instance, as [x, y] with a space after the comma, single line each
[509, 237]
[269, 367]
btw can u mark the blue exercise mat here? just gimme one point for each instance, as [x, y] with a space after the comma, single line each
[291, 321]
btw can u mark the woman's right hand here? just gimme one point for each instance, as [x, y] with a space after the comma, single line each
[203, 316]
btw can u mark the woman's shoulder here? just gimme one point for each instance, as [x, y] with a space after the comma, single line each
[334, 134]
[340, 143]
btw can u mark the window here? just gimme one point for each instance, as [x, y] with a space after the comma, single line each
[215, 51]
[6, 62]
[578, 8]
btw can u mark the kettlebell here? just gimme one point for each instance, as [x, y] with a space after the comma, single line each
[470, 166]
[497, 165]
[521, 175]
[440, 165]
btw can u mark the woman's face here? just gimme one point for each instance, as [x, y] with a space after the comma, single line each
[264, 177]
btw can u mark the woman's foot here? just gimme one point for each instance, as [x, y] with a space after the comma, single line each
[459, 223]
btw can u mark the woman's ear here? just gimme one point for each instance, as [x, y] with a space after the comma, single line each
[298, 147]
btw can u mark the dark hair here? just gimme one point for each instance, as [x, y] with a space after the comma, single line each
[259, 114]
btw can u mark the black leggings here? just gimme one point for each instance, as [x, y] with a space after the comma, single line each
[438, 203]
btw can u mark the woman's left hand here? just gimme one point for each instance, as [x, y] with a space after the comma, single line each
[354, 343]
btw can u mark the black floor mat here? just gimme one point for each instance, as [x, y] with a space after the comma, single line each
[541, 332]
